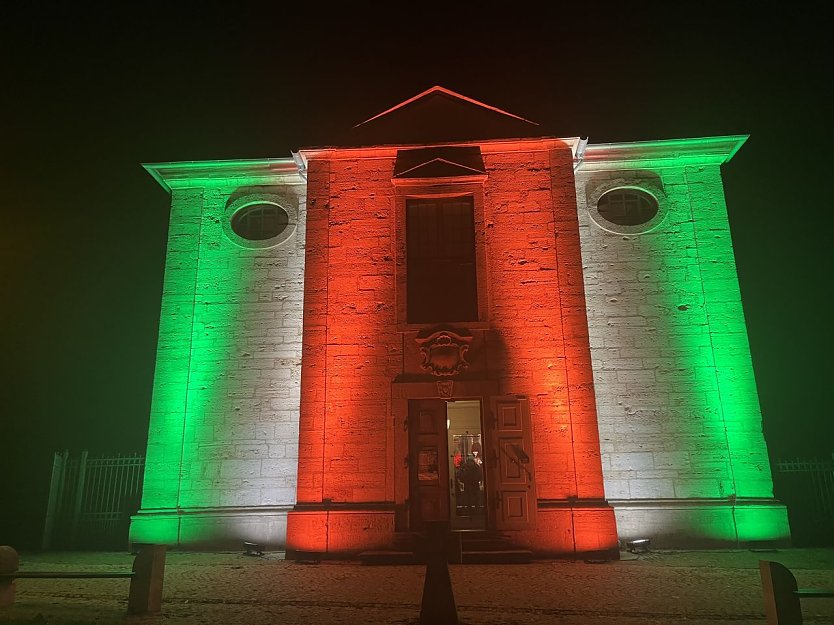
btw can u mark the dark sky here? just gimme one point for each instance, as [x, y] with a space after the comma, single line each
[89, 97]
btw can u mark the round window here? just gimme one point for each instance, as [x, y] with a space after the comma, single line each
[260, 221]
[627, 207]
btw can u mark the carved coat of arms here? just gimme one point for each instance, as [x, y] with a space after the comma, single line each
[444, 352]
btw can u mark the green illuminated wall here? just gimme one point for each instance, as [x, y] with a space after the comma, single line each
[683, 453]
[222, 443]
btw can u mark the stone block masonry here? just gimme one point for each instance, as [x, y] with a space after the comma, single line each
[289, 377]
[223, 437]
[680, 426]
[530, 340]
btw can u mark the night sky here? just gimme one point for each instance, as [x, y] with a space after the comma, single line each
[88, 98]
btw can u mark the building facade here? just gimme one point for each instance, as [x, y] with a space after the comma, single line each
[448, 316]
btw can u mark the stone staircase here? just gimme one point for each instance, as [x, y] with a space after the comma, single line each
[466, 547]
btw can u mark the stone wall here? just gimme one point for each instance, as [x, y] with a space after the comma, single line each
[223, 438]
[638, 342]
[539, 339]
[532, 340]
[682, 447]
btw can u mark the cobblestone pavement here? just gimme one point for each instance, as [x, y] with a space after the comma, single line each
[694, 587]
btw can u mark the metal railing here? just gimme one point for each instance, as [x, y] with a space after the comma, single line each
[806, 486]
[91, 500]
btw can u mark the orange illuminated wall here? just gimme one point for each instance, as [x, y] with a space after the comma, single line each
[533, 342]
[540, 341]
[351, 352]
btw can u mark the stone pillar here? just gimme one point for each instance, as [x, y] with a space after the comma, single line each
[9, 563]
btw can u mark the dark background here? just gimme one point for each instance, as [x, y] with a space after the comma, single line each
[89, 96]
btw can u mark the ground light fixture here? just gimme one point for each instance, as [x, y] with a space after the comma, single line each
[639, 545]
[253, 549]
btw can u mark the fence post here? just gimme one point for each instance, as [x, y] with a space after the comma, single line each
[56, 485]
[79, 496]
[146, 584]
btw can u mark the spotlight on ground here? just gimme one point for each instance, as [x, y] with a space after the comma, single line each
[253, 549]
[639, 545]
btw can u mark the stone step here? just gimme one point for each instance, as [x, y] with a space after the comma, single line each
[485, 544]
[499, 556]
[502, 556]
[474, 547]
[484, 540]
[389, 556]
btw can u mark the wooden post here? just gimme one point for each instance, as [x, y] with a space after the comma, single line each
[438, 605]
[780, 598]
[146, 584]
[9, 562]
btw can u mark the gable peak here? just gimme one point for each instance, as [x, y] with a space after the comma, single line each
[438, 90]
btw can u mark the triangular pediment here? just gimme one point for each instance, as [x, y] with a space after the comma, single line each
[439, 115]
[439, 168]
[439, 162]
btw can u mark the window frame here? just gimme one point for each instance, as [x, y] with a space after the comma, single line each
[434, 189]
[249, 199]
[441, 262]
[256, 210]
[596, 189]
[618, 194]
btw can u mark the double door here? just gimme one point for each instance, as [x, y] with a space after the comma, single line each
[471, 466]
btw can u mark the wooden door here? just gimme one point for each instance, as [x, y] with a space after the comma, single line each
[428, 463]
[511, 477]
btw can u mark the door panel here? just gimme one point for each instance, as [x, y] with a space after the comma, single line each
[428, 467]
[511, 474]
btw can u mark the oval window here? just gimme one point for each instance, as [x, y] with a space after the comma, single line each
[260, 221]
[627, 207]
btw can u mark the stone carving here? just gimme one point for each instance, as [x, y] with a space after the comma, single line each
[445, 389]
[444, 352]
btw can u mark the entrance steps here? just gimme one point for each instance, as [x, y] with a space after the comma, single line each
[466, 547]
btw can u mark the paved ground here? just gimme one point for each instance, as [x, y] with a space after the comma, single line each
[695, 587]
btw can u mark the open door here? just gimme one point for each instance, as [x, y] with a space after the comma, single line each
[427, 461]
[466, 464]
[511, 476]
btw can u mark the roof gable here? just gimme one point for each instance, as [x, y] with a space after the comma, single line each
[439, 115]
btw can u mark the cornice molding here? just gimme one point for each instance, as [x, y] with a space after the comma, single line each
[190, 174]
[487, 146]
[663, 153]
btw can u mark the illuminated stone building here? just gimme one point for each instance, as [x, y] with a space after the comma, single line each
[346, 332]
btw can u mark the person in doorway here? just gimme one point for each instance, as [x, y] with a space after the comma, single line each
[476, 451]
[470, 475]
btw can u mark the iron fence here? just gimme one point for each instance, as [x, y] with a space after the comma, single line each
[806, 487]
[91, 500]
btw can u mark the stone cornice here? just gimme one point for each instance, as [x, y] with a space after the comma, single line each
[486, 145]
[191, 174]
[664, 153]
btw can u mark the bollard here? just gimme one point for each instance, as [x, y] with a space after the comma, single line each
[780, 598]
[438, 605]
[9, 563]
[146, 584]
